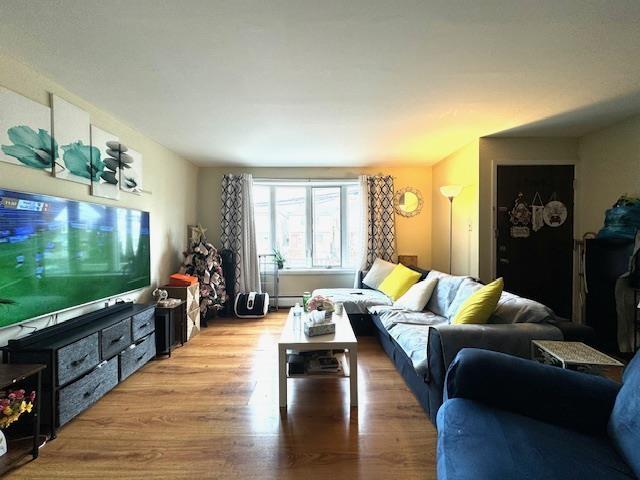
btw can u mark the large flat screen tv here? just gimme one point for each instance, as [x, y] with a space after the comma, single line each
[56, 254]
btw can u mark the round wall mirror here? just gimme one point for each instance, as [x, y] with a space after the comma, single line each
[408, 202]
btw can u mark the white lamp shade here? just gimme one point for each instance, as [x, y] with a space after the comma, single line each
[451, 191]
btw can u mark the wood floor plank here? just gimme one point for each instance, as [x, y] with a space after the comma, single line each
[211, 411]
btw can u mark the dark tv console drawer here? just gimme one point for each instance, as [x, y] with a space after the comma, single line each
[81, 394]
[137, 355]
[143, 324]
[85, 357]
[116, 338]
[78, 358]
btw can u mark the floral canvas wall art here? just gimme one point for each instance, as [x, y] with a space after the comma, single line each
[25, 132]
[104, 158]
[72, 136]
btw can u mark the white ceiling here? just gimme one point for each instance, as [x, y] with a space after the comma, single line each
[336, 82]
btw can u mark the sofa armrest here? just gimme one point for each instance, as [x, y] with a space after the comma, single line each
[575, 400]
[512, 338]
[445, 341]
[575, 332]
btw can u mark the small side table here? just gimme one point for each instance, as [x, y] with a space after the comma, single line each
[171, 328]
[10, 376]
[191, 295]
[573, 356]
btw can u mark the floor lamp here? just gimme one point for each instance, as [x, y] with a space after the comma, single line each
[451, 192]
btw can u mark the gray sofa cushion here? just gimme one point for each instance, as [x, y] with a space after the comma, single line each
[413, 341]
[385, 314]
[444, 293]
[390, 315]
[514, 309]
[355, 300]
[467, 287]
[411, 331]
[451, 292]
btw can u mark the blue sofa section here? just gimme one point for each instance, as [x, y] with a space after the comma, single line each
[509, 418]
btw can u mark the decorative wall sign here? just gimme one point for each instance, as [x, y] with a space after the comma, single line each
[72, 135]
[520, 217]
[519, 232]
[105, 181]
[25, 132]
[130, 170]
[537, 216]
[520, 213]
[555, 213]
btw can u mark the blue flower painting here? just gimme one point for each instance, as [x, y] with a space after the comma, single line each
[82, 160]
[25, 137]
[31, 148]
[71, 130]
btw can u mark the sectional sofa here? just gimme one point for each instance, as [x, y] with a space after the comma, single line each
[423, 344]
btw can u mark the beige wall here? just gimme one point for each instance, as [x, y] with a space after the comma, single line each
[459, 168]
[413, 234]
[474, 166]
[513, 151]
[170, 179]
[609, 167]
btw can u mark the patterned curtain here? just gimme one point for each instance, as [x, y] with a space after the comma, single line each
[379, 219]
[239, 231]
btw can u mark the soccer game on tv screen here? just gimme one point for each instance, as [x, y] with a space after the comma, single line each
[57, 253]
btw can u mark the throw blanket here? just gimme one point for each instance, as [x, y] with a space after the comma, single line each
[355, 300]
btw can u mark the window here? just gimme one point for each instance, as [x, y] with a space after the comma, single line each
[262, 214]
[291, 224]
[313, 224]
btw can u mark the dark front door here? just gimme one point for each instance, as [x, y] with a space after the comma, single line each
[535, 233]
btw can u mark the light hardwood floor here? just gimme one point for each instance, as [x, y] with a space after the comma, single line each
[211, 411]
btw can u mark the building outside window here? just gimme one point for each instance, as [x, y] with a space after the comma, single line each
[313, 224]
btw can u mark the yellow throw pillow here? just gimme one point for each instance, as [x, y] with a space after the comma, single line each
[398, 282]
[481, 305]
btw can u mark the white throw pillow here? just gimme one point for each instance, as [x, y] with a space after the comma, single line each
[377, 273]
[417, 297]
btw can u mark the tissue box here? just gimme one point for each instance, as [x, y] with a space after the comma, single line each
[311, 330]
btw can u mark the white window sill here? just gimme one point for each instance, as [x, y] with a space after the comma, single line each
[317, 271]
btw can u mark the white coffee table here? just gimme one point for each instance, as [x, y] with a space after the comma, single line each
[294, 339]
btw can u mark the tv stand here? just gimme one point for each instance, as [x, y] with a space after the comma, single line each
[85, 357]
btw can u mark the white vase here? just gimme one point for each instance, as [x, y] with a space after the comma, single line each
[3, 443]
